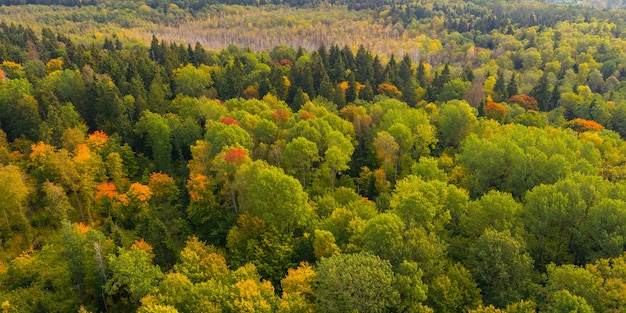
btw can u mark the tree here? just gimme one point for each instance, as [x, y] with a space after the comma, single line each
[382, 235]
[156, 131]
[453, 89]
[13, 193]
[299, 156]
[254, 241]
[427, 204]
[501, 267]
[133, 273]
[456, 120]
[355, 282]
[541, 92]
[387, 150]
[286, 209]
[324, 244]
[337, 155]
[191, 81]
[564, 301]
[19, 114]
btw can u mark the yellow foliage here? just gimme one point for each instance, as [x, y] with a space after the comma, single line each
[299, 280]
[249, 296]
[40, 151]
[594, 138]
[54, 65]
[12, 70]
[140, 192]
[3, 267]
[82, 153]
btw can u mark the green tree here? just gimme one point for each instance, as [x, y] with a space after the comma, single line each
[355, 282]
[286, 209]
[191, 81]
[563, 301]
[382, 235]
[13, 194]
[455, 121]
[155, 130]
[501, 266]
[133, 273]
[299, 156]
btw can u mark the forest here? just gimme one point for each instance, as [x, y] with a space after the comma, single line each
[451, 156]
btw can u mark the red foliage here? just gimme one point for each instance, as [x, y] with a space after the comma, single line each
[229, 121]
[525, 101]
[280, 116]
[582, 125]
[236, 156]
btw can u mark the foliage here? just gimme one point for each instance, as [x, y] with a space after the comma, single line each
[482, 171]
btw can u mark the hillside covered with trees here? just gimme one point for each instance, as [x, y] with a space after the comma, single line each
[482, 170]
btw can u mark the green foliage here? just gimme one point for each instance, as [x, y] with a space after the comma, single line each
[355, 282]
[133, 274]
[288, 157]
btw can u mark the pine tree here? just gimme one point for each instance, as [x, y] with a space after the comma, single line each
[541, 92]
[421, 74]
[499, 89]
[326, 89]
[351, 92]
[299, 99]
[367, 93]
[511, 88]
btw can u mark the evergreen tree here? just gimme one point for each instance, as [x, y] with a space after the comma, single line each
[433, 91]
[541, 92]
[299, 99]
[511, 88]
[364, 65]
[421, 74]
[351, 92]
[326, 89]
[499, 89]
[367, 93]
[468, 73]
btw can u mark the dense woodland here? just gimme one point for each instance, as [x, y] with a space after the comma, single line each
[483, 171]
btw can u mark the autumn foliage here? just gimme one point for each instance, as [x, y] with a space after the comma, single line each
[162, 184]
[140, 192]
[141, 244]
[304, 115]
[390, 91]
[229, 121]
[582, 125]
[198, 186]
[280, 116]
[525, 101]
[236, 156]
[106, 190]
[496, 111]
[251, 92]
[97, 139]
